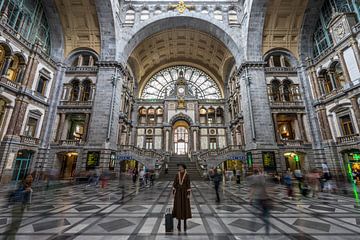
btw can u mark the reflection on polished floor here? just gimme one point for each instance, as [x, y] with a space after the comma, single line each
[76, 212]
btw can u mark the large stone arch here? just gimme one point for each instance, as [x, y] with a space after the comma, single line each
[306, 42]
[255, 30]
[130, 38]
[56, 31]
[182, 117]
[105, 11]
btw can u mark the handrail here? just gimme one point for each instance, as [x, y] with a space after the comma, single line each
[141, 152]
[220, 151]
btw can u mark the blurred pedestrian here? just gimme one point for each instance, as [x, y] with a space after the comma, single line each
[19, 200]
[166, 168]
[288, 183]
[238, 176]
[260, 197]
[134, 175]
[181, 191]
[217, 178]
[313, 179]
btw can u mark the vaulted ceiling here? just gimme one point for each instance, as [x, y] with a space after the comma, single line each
[80, 24]
[180, 46]
[283, 23]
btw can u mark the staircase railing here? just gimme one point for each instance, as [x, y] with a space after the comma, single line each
[144, 154]
[218, 154]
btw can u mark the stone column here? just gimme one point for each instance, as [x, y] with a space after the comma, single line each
[6, 66]
[324, 124]
[86, 126]
[20, 74]
[355, 47]
[195, 140]
[333, 82]
[60, 127]
[17, 117]
[277, 137]
[103, 127]
[344, 67]
[301, 126]
[256, 106]
[355, 106]
[315, 82]
[31, 67]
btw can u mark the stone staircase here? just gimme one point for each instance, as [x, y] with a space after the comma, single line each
[173, 168]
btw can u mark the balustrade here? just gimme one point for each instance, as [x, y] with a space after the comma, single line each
[29, 140]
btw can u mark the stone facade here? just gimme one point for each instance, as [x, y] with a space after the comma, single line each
[91, 112]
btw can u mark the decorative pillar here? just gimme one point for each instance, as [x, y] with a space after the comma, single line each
[61, 127]
[355, 106]
[86, 126]
[20, 74]
[301, 126]
[32, 66]
[355, 47]
[332, 80]
[344, 67]
[324, 124]
[277, 137]
[6, 66]
[17, 117]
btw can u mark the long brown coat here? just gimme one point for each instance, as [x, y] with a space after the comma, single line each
[182, 189]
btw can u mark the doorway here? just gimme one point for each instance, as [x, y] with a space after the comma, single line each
[68, 164]
[181, 138]
[22, 164]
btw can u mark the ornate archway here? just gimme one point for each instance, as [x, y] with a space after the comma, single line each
[181, 137]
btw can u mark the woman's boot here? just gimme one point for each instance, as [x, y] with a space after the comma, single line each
[185, 225]
[179, 225]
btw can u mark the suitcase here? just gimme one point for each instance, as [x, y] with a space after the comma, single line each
[169, 221]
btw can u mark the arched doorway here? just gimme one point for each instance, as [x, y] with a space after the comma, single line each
[181, 138]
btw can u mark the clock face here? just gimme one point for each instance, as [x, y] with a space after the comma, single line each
[181, 90]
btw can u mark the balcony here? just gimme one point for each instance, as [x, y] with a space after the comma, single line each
[280, 69]
[86, 69]
[348, 139]
[76, 103]
[69, 142]
[294, 104]
[292, 143]
[8, 83]
[29, 140]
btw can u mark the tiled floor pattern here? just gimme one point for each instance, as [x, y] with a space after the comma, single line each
[77, 212]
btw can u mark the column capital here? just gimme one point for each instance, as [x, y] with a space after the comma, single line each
[250, 65]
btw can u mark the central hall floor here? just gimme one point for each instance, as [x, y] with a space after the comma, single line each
[76, 212]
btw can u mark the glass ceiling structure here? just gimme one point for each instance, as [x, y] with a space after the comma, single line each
[163, 83]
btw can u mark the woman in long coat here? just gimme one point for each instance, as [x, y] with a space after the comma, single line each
[182, 190]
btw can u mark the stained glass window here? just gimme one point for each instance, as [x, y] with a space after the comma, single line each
[163, 83]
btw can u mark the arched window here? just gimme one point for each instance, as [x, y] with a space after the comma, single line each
[219, 115]
[151, 115]
[338, 74]
[275, 88]
[218, 15]
[130, 16]
[159, 115]
[203, 113]
[232, 17]
[157, 11]
[181, 140]
[287, 90]
[86, 94]
[75, 90]
[15, 68]
[211, 116]
[204, 11]
[163, 81]
[145, 14]
[325, 77]
[142, 115]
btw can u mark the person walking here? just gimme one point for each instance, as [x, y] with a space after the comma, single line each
[19, 199]
[288, 184]
[217, 178]
[260, 197]
[181, 192]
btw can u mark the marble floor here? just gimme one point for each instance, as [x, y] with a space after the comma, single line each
[123, 211]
